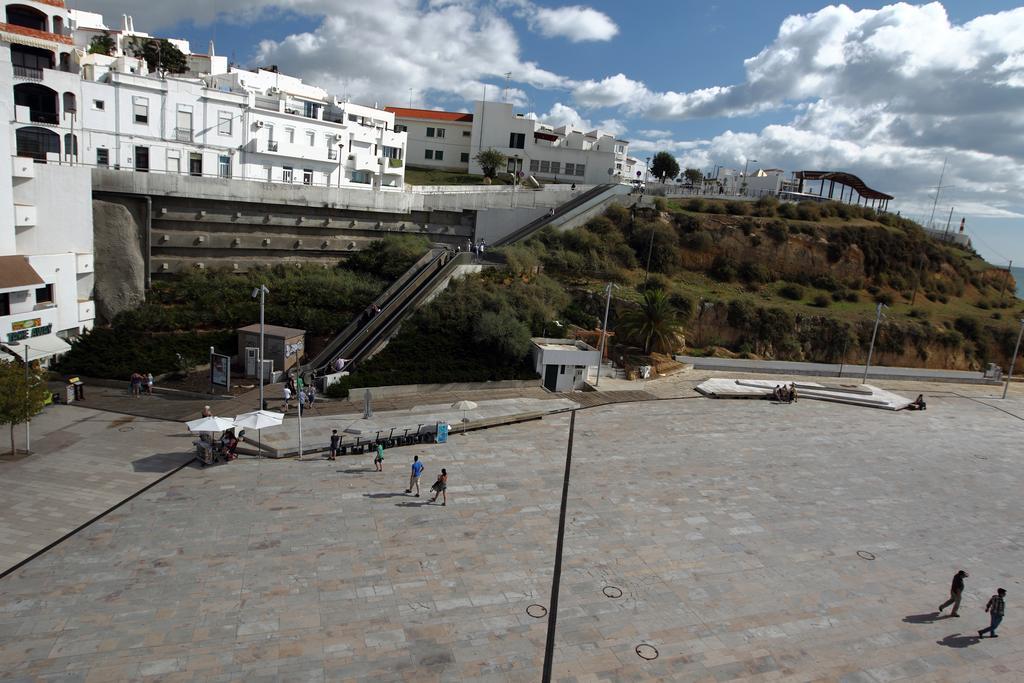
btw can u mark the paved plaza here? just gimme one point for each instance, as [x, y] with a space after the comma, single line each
[739, 534]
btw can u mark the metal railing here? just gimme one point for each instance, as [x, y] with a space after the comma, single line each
[183, 134]
[29, 72]
[272, 146]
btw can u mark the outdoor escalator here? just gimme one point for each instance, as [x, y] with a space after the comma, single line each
[560, 211]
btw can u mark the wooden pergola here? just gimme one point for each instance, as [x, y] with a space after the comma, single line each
[873, 198]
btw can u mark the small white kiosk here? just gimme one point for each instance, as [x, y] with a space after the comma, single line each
[563, 363]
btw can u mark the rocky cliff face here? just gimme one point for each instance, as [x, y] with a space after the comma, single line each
[120, 264]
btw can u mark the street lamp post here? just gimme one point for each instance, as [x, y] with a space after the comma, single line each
[261, 291]
[604, 331]
[874, 333]
[1013, 362]
[745, 165]
[647, 173]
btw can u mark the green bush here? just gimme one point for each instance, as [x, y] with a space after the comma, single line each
[777, 230]
[884, 298]
[736, 208]
[723, 269]
[766, 206]
[390, 257]
[791, 292]
[753, 273]
[699, 241]
[660, 204]
[822, 301]
[787, 210]
[697, 205]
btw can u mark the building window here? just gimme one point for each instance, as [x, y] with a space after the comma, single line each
[466, 133]
[173, 161]
[362, 177]
[70, 146]
[307, 176]
[99, 105]
[430, 132]
[440, 132]
[311, 138]
[44, 294]
[224, 166]
[224, 123]
[534, 165]
[464, 157]
[569, 169]
[556, 167]
[142, 159]
[391, 152]
[289, 135]
[311, 110]
[102, 157]
[287, 174]
[439, 155]
[580, 169]
[428, 154]
[140, 107]
[545, 166]
[195, 164]
[5, 304]
[517, 140]
[400, 128]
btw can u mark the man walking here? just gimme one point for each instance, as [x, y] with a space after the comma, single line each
[414, 478]
[335, 444]
[995, 607]
[955, 591]
[287, 398]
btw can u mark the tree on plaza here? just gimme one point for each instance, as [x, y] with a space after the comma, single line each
[18, 401]
[160, 54]
[490, 161]
[664, 166]
[656, 324]
[693, 176]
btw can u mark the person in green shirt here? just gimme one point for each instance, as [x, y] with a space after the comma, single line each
[378, 460]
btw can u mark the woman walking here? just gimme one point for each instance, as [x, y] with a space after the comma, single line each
[440, 487]
[378, 460]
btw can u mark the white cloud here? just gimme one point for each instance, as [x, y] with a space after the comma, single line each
[443, 52]
[563, 115]
[576, 23]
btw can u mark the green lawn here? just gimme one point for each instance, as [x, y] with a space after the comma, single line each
[431, 176]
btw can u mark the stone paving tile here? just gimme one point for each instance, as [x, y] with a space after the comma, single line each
[730, 527]
[83, 462]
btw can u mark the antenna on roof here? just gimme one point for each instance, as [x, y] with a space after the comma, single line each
[508, 75]
[410, 98]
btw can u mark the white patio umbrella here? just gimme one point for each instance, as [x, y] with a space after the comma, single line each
[259, 420]
[464, 406]
[210, 424]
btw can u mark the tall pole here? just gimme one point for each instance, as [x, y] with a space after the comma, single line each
[650, 248]
[556, 577]
[871, 350]
[262, 292]
[28, 422]
[948, 220]
[300, 428]
[938, 189]
[604, 333]
[1013, 362]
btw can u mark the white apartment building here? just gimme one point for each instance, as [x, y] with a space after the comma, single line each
[560, 154]
[46, 235]
[108, 110]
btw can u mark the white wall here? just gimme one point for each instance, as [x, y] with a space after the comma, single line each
[7, 242]
[453, 145]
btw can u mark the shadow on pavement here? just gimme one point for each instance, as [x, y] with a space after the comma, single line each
[413, 504]
[383, 495]
[160, 462]
[959, 640]
[929, 618]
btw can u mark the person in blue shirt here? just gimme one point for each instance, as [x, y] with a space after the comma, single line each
[414, 478]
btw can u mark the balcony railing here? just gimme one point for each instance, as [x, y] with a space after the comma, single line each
[272, 146]
[183, 134]
[332, 154]
[36, 116]
[29, 72]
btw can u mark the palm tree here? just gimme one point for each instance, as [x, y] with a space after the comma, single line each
[655, 323]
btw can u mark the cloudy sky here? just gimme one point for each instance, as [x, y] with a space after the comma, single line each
[884, 91]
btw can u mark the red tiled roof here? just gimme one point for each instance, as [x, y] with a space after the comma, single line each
[429, 114]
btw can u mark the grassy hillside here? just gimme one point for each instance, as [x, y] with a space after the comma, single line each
[795, 282]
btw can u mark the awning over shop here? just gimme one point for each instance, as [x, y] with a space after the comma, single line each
[39, 348]
[16, 272]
